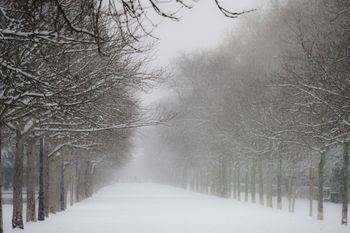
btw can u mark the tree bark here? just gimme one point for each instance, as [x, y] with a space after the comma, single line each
[53, 185]
[58, 185]
[279, 183]
[261, 181]
[238, 178]
[17, 215]
[201, 180]
[229, 183]
[345, 184]
[88, 179]
[294, 192]
[320, 186]
[234, 174]
[41, 211]
[62, 186]
[290, 191]
[46, 163]
[269, 183]
[246, 187]
[184, 177]
[77, 181]
[30, 216]
[311, 189]
[72, 185]
[253, 183]
[1, 177]
[224, 189]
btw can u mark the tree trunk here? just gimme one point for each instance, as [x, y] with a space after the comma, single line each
[253, 183]
[234, 174]
[206, 180]
[62, 187]
[229, 183]
[78, 180]
[279, 183]
[238, 178]
[184, 177]
[41, 211]
[345, 184]
[46, 171]
[192, 180]
[1, 218]
[311, 189]
[58, 185]
[88, 179]
[246, 187]
[320, 186]
[53, 185]
[17, 215]
[201, 180]
[290, 191]
[294, 192]
[261, 181]
[269, 183]
[31, 217]
[72, 186]
[223, 180]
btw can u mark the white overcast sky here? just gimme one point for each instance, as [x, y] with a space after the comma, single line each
[203, 26]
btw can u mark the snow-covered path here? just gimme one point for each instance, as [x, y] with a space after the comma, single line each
[152, 208]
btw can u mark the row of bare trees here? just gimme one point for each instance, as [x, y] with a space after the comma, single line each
[266, 106]
[69, 72]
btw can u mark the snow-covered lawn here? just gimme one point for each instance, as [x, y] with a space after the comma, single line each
[152, 208]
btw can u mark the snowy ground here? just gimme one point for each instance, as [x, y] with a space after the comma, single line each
[152, 208]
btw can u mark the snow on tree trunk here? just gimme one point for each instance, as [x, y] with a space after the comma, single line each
[261, 181]
[30, 215]
[320, 186]
[17, 214]
[279, 182]
[345, 184]
[253, 182]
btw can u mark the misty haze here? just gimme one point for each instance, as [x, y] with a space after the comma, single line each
[175, 116]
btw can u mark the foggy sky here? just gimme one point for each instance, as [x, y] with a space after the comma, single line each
[204, 26]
